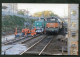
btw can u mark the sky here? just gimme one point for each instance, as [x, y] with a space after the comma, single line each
[59, 9]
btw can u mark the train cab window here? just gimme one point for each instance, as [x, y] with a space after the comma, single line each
[59, 20]
[52, 19]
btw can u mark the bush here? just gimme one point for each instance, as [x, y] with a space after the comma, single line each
[9, 23]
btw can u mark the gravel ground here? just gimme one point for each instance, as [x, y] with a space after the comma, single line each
[33, 41]
[14, 50]
[55, 47]
[18, 48]
[8, 37]
[39, 47]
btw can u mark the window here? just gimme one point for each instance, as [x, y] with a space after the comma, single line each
[52, 19]
[59, 20]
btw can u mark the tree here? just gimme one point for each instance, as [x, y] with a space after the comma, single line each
[54, 15]
[46, 13]
[21, 12]
[37, 14]
[10, 22]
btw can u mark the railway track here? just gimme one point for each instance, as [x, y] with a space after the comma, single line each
[49, 45]
[24, 41]
[19, 40]
[6, 49]
[42, 45]
[39, 46]
[55, 47]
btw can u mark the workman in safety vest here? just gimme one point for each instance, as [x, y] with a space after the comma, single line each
[34, 30]
[23, 32]
[26, 31]
[16, 34]
[15, 31]
[29, 31]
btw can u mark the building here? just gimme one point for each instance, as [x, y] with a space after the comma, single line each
[12, 9]
[9, 8]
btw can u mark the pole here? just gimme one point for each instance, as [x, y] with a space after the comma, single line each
[64, 21]
[68, 29]
[44, 23]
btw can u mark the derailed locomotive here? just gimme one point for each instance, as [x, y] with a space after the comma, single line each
[53, 24]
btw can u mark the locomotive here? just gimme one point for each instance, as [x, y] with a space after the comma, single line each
[53, 24]
[39, 25]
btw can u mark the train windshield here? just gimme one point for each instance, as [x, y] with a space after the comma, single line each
[51, 20]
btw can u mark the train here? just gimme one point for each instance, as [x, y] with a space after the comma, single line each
[50, 24]
[39, 25]
[53, 24]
